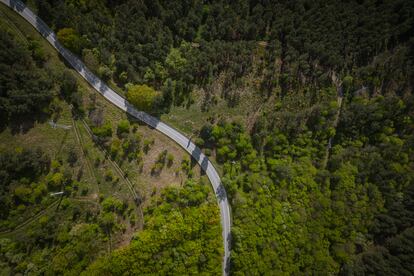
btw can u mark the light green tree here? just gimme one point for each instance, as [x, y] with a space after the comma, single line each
[143, 97]
[175, 62]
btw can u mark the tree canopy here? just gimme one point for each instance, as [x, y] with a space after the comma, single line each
[181, 236]
[143, 97]
[315, 153]
[70, 39]
[25, 90]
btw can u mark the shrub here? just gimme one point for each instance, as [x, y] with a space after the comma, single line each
[56, 180]
[170, 160]
[186, 166]
[72, 157]
[199, 141]
[147, 145]
[104, 72]
[23, 193]
[103, 131]
[111, 204]
[115, 147]
[123, 127]
[109, 175]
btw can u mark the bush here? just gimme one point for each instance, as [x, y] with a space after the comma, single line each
[186, 167]
[107, 221]
[199, 142]
[109, 175]
[115, 147]
[123, 127]
[68, 85]
[111, 204]
[156, 168]
[170, 160]
[23, 193]
[147, 145]
[56, 180]
[104, 72]
[103, 131]
[55, 165]
[97, 162]
[133, 219]
[162, 156]
[39, 191]
[72, 157]
[159, 164]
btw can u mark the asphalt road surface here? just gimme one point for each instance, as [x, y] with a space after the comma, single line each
[123, 104]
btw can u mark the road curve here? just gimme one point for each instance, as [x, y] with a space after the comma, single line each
[123, 104]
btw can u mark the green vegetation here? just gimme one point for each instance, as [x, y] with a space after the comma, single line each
[42, 233]
[181, 236]
[159, 163]
[143, 97]
[293, 216]
[25, 88]
[170, 159]
[75, 243]
[24, 183]
[272, 48]
[70, 39]
[306, 107]
[123, 128]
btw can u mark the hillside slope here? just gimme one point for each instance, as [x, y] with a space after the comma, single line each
[92, 152]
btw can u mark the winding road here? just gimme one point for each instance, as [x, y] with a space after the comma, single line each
[123, 104]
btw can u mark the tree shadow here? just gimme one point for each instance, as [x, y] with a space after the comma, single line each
[22, 124]
[204, 163]
[17, 5]
[221, 193]
[21, 8]
[150, 120]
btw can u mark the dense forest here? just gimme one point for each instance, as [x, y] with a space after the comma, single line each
[20, 100]
[321, 181]
[65, 158]
[180, 238]
[174, 45]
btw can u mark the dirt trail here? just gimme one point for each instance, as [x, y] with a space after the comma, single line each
[6, 233]
[121, 174]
